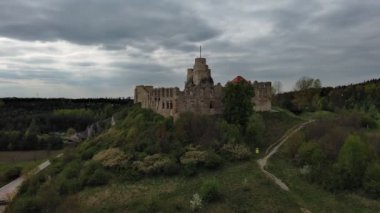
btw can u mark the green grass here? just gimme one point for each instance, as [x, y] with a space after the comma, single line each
[256, 194]
[22, 156]
[318, 115]
[312, 196]
[276, 124]
[173, 194]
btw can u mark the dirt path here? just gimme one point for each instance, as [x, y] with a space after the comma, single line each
[273, 149]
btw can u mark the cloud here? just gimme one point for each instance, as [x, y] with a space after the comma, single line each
[113, 24]
[104, 48]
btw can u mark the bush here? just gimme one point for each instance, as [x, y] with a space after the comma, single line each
[12, 173]
[171, 168]
[293, 144]
[371, 180]
[56, 166]
[98, 178]
[368, 122]
[189, 169]
[194, 157]
[31, 185]
[210, 191]
[213, 161]
[153, 164]
[69, 186]
[310, 154]
[111, 158]
[236, 151]
[88, 153]
[27, 204]
[72, 170]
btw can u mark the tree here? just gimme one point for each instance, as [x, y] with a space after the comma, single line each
[237, 102]
[1, 103]
[307, 96]
[305, 83]
[352, 162]
[30, 140]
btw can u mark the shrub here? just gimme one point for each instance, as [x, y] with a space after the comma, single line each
[293, 144]
[194, 157]
[72, 170]
[236, 151]
[371, 180]
[88, 153]
[368, 122]
[69, 186]
[111, 158]
[189, 169]
[171, 168]
[98, 178]
[196, 202]
[12, 173]
[31, 185]
[310, 154]
[213, 161]
[70, 131]
[210, 191]
[56, 166]
[48, 197]
[153, 164]
[27, 204]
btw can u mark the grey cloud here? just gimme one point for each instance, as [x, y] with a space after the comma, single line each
[113, 24]
[338, 44]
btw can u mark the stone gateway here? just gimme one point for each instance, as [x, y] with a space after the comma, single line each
[200, 95]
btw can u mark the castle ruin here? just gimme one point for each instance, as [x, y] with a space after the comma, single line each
[199, 96]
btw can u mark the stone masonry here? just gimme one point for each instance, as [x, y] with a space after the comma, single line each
[200, 95]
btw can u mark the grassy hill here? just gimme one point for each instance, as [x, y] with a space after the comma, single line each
[147, 163]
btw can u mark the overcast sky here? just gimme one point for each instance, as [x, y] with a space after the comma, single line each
[98, 48]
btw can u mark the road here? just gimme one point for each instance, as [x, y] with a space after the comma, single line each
[8, 191]
[263, 161]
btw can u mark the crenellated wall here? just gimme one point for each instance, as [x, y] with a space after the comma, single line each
[199, 96]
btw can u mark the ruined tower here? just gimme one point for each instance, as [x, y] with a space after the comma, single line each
[199, 96]
[200, 74]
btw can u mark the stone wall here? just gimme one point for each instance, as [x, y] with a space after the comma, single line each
[201, 100]
[200, 96]
[263, 95]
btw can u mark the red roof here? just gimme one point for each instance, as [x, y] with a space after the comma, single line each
[238, 79]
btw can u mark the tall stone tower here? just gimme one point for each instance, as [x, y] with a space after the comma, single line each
[200, 74]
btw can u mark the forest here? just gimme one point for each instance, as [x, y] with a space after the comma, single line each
[309, 96]
[37, 123]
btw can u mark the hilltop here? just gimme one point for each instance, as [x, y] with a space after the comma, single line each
[150, 163]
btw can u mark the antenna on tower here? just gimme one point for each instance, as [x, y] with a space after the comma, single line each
[200, 51]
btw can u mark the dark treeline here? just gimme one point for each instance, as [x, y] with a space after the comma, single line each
[363, 96]
[44, 104]
[34, 123]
